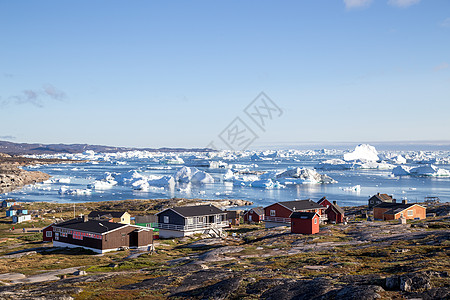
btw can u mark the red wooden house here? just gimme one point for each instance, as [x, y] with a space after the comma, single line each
[254, 215]
[278, 214]
[47, 233]
[305, 222]
[335, 213]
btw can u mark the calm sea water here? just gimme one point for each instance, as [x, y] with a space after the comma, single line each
[371, 182]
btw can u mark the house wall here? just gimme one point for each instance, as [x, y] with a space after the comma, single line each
[125, 219]
[419, 212]
[325, 203]
[10, 213]
[378, 212]
[305, 226]
[254, 217]
[44, 234]
[334, 216]
[280, 211]
[174, 218]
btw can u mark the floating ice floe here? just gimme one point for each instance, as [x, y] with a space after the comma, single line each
[64, 190]
[102, 184]
[334, 164]
[172, 161]
[362, 152]
[64, 180]
[356, 188]
[428, 170]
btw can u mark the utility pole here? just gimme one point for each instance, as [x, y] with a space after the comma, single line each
[74, 210]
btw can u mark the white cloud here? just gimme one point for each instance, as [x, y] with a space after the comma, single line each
[446, 23]
[403, 3]
[442, 66]
[349, 4]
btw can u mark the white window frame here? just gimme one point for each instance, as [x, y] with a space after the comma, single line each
[49, 233]
[315, 220]
[166, 219]
[410, 212]
[273, 213]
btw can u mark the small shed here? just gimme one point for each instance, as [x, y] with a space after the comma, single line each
[254, 215]
[305, 222]
[8, 203]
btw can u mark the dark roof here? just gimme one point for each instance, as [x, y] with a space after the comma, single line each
[146, 219]
[15, 207]
[258, 210]
[395, 209]
[337, 208]
[321, 200]
[382, 197]
[393, 205]
[197, 210]
[302, 215]
[9, 200]
[90, 225]
[232, 214]
[301, 205]
[105, 214]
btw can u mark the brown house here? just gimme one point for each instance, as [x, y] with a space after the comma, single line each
[100, 236]
[254, 215]
[233, 217]
[380, 198]
[394, 211]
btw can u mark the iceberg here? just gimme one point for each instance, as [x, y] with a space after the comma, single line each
[334, 164]
[228, 176]
[401, 171]
[362, 152]
[422, 171]
[164, 181]
[356, 188]
[302, 175]
[185, 174]
[102, 184]
[202, 177]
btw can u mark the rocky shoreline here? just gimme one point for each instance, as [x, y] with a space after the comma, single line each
[12, 177]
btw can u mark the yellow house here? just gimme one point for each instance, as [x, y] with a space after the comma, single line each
[122, 217]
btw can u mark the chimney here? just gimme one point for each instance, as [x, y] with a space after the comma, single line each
[404, 201]
[394, 200]
[378, 194]
[334, 202]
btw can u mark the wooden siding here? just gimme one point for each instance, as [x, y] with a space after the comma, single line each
[305, 226]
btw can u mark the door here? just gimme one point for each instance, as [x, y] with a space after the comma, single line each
[250, 218]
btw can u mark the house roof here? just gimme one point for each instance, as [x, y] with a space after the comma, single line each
[196, 210]
[302, 215]
[300, 205]
[337, 208]
[90, 225]
[16, 207]
[393, 205]
[146, 219]
[382, 197]
[398, 208]
[9, 200]
[257, 210]
[321, 200]
[106, 214]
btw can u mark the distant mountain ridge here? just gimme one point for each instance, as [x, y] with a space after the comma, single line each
[25, 148]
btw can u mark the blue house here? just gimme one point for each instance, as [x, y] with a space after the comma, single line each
[15, 210]
[8, 203]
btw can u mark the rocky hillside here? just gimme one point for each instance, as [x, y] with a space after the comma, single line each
[25, 148]
[360, 260]
[12, 177]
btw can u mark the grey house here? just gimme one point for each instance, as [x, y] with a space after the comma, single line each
[189, 220]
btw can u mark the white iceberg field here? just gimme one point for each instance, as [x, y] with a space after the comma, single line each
[276, 180]
[426, 171]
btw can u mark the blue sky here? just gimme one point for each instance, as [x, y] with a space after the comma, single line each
[160, 73]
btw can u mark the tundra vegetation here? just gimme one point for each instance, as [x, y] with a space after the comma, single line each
[359, 260]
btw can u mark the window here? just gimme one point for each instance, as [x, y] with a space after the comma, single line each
[57, 236]
[49, 234]
[272, 213]
[190, 221]
[315, 220]
[166, 219]
[410, 213]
